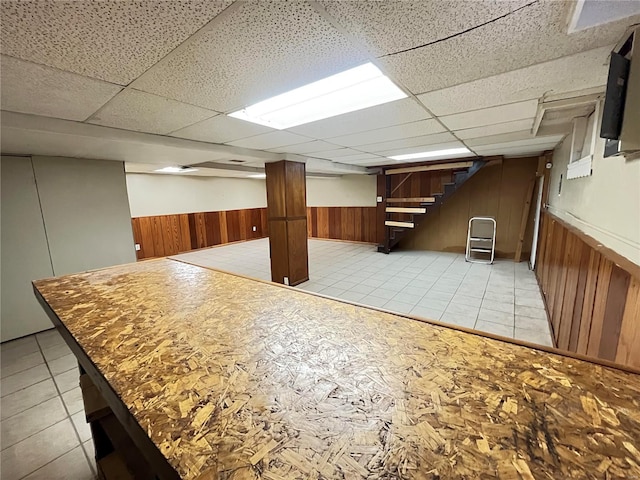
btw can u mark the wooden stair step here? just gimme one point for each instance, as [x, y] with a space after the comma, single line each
[406, 210]
[393, 223]
[412, 200]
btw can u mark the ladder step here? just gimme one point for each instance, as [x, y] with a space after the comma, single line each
[412, 200]
[392, 223]
[406, 210]
[481, 239]
[482, 250]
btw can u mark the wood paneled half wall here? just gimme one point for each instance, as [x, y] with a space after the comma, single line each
[498, 190]
[163, 235]
[592, 294]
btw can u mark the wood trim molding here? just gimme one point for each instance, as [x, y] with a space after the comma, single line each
[613, 256]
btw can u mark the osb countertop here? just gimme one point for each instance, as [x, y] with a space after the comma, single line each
[234, 378]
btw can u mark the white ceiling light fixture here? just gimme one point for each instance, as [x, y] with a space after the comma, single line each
[258, 175]
[360, 87]
[434, 153]
[179, 169]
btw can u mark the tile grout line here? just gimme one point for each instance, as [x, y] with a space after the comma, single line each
[64, 405]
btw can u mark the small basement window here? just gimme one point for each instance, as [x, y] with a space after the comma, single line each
[583, 144]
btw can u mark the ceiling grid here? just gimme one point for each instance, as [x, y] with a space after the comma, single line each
[174, 70]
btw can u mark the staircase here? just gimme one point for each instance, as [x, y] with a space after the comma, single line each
[403, 215]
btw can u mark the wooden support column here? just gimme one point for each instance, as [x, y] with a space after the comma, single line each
[287, 213]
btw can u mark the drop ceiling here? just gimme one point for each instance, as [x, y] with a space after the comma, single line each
[151, 82]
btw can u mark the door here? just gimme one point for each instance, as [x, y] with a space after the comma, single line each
[536, 223]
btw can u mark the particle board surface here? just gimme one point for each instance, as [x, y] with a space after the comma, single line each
[234, 378]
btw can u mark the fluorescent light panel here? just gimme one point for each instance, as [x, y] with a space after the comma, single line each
[258, 175]
[176, 170]
[434, 153]
[360, 87]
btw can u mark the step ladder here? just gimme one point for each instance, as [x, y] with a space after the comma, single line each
[481, 239]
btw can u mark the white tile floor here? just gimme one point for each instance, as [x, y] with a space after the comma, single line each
[43, 431]
[502, 298]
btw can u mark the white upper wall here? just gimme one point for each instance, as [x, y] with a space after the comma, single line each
[153, 194]
[604, 205]
[345, 191]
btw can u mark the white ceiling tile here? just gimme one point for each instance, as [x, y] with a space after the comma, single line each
[270, 140]
[537, 142]
[501, 138]
[535, 34]
[422, 148]
[221, 129]
[357, 158]
[260, 50]
[523, 150]
[40, 90]
[309, 147]
[393, 113]
[144, 112]
[495, 129]
[391, 26]
[422, 140]
[406, 130]
[489, 116]
[576, 72]
[112, 40]
[337, 153]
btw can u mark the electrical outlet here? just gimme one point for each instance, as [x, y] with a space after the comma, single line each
[255, 229]
[286, 280]
[137, 247]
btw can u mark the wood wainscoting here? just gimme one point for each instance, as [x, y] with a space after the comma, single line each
[163, 235]
[356, 224]
[592, 294]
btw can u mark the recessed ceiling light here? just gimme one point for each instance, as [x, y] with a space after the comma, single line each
[180, 169]
[360, 87]
[433, 153]
[258, 175]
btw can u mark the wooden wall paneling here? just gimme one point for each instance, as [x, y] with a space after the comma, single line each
[549, 225]
[158, 237]
[201, 230]
[568, 306]
[614, 312]
[312, 218]
[563, 268]
[335, 222]
[185, 233]
[580, 289]
[224, 231]
[380, 208]
[628, 350]
[588, 302]
[244, 229]
[137, 237]
[234, 227]
[256, 220]
[557, 254]
[212, 228]
[599, 306]
[193, 231]
[169, 234]
[323, 222]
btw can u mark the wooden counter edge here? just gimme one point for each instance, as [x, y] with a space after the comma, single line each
[521, 343]
[150, 451]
